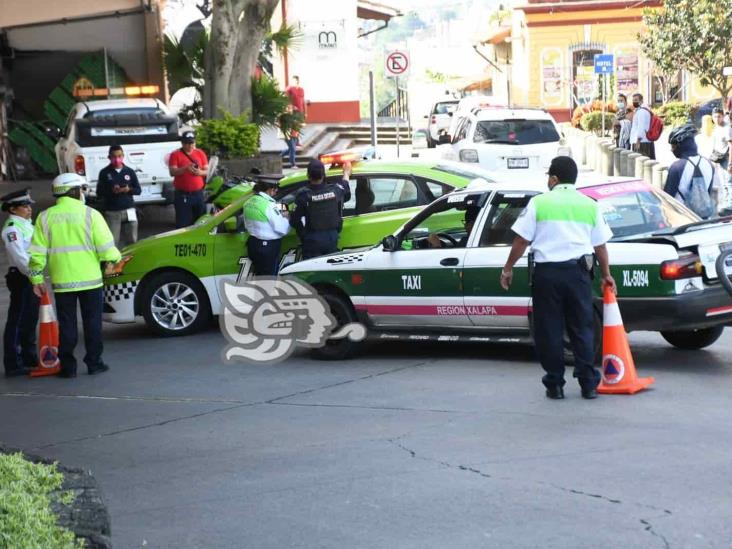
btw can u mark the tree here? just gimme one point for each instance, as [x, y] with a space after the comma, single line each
[692, 35]
[237, 30]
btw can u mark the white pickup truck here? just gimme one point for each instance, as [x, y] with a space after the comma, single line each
[145, 128]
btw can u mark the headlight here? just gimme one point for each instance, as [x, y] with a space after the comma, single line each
[468, 155]
[564, 151]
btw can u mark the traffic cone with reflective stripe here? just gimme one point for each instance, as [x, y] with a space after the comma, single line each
[48, 361]
[618, 368]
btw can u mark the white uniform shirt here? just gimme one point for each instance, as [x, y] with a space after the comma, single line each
[17, 239]
[640, 125]
[720, 139]
[555, 241]
[273, 224]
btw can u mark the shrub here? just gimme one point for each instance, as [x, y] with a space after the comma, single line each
[229, 137]
[675, 113]
[268, 101]
[593, 106]
[26, 493]
[592, 122]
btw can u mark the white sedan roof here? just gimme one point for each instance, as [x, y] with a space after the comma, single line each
[107, 104]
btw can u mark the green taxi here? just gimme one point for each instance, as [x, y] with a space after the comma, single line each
[172, 279]
[431, 280]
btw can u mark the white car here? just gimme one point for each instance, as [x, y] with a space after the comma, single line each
[508, 140]
[145, 128]
[438, 121]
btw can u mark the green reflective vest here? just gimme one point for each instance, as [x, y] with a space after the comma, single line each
[72, 239]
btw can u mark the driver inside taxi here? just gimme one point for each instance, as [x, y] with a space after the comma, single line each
[471, 214]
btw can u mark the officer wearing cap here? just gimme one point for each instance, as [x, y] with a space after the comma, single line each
[72, 239]
[318, 215]
[266, 225]
[189, 167]
[564, 227]
[19, 338]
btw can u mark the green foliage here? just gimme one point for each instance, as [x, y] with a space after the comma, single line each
[26, 493]
[287, 37]
[229, 137]
[185, 67]
[592, 122]
[692, 35]
[675, 113]
[593, 106]
[268, 101]
[290, 121]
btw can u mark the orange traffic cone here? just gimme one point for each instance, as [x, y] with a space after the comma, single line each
[618, 369]
[48, 362]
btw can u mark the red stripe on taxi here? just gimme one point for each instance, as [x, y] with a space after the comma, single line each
[445, 310]
[719, 310]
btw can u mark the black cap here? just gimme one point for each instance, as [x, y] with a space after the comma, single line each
[564, 168]
[717, 110]
[316, 169]
[16, 198]
[188, 137]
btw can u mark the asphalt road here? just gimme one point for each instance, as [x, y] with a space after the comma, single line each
[409, 446]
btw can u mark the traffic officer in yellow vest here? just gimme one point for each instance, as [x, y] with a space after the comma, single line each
[564, 227]
[72, 239]
[19, 338]
[266, 226]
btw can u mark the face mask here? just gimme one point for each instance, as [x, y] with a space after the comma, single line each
[636, 104]
[621, 105]
[676, 151]
[117, 162]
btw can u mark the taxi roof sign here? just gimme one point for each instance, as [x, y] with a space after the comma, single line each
[128, 91]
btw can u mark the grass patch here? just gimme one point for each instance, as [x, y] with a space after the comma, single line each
[26, 493]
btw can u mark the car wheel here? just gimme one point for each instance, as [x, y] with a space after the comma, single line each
[693, 339]
[175, 304]
[343, 313]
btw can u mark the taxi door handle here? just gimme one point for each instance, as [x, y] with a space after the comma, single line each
[449, 261]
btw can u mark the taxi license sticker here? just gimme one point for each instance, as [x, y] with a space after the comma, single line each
[635, 279]
[613, 369]
[457, 198]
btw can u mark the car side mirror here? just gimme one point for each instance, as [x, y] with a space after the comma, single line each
[390, 243]
[444, 139]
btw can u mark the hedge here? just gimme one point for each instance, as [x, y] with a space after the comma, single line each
[228, 137]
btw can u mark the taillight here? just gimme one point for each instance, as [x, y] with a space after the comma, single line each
[684, 267]
[434, 119]
[79, 165]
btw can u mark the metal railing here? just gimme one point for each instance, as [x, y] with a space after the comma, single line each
[397, 108]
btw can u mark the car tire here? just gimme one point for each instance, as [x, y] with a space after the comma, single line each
[343, 313]
[693, 339]
[175, 304]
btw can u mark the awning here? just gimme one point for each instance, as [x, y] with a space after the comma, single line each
[485, 84]
[373, 10]
[498, 36]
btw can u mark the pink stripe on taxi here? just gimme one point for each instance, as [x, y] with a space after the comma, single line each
[445, 310]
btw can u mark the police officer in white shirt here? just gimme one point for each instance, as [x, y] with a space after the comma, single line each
[266, 224]
[564, 227]
[19, 338]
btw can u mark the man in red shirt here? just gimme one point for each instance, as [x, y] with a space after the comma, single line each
[188, 166]
[297, 95]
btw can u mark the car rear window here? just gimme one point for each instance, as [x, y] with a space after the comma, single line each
[126, 126]
[444, 107]
[515, 132]
[636, 208]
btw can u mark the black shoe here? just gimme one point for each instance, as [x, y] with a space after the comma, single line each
[589, 393]
[17, 372]
[99, 369]
[66, 375]
[555, 392]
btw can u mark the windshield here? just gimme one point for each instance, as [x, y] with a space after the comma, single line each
[637, 209]
[516, 132]
[444, 108]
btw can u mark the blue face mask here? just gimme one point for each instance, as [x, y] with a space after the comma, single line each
[621, 105]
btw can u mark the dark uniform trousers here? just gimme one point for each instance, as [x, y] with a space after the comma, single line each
[265, 256]
[562, 296]
[91, 303]
[189, 206]
[19, 338]
[317, 243]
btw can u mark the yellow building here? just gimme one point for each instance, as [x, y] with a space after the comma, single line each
[545, 58]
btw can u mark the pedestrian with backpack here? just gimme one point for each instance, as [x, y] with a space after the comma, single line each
[645, 128]
[691, 179]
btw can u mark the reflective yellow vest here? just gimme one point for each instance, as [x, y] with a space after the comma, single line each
[73, 239]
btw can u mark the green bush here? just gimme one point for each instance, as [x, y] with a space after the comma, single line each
[592, 122]
[229, 137]
[268, 101]
[26, 493]
[675, 113]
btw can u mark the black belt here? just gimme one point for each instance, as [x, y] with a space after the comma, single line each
[559, 263]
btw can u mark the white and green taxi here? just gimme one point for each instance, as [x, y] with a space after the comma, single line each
[433, 280]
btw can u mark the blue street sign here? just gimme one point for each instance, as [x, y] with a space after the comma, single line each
[604, 63]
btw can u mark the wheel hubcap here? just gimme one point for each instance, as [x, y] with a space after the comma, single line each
[174, 306]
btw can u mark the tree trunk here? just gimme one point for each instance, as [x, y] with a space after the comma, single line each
[237, 30]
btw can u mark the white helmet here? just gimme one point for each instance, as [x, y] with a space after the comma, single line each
[64, 182]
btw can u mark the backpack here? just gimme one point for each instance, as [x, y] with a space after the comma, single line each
[655, 128]
[699, 200]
